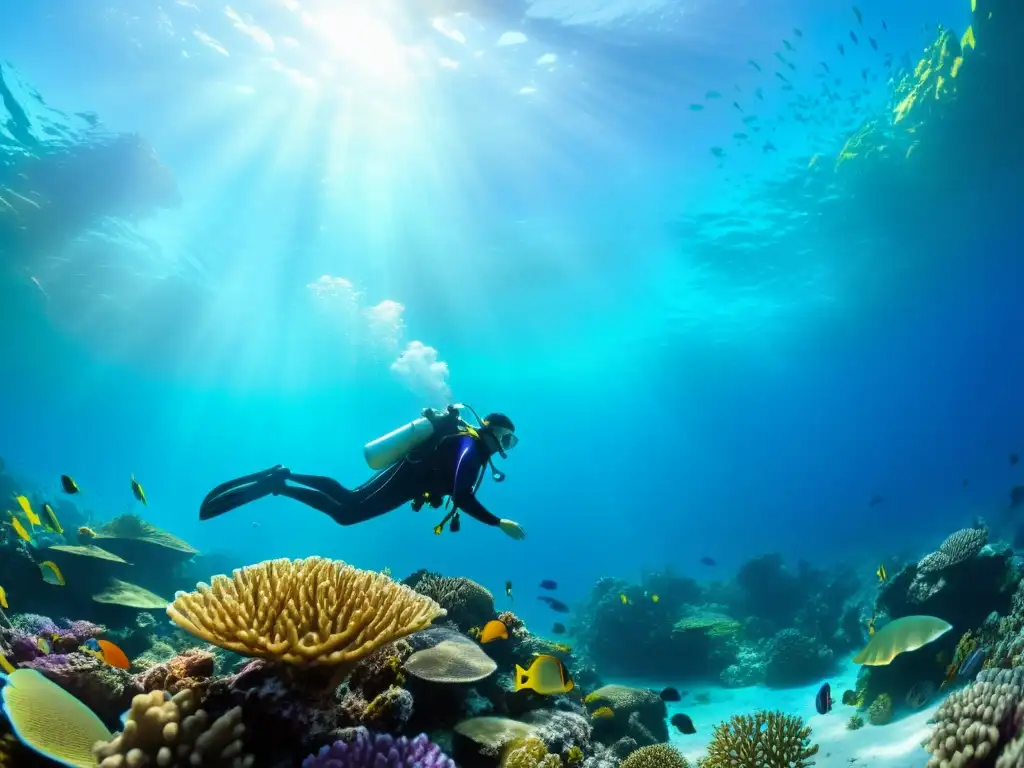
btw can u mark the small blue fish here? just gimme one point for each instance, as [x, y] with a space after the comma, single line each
[971, 666]
[92, 644]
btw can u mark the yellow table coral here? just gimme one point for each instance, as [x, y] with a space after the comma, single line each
[312, 611]
[761, 740]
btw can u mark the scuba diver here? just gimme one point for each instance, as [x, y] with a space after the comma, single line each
[436, 456]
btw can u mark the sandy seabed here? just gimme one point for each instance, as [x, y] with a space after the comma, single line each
[896, 745]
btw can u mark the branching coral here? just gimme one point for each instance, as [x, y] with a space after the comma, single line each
[761, 740]
[959, 546]
[975, 722]
[175, 732]
[656, 756]
[365, 750]
[312, 611]
[468, 604]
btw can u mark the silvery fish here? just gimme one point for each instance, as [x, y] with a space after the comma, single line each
[971, 666]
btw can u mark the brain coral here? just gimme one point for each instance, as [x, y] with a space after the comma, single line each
[312, 611]
[761, 740]
[656, 756]
[468, 604]
[972, 724]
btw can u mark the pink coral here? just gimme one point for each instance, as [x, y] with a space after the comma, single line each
[191, 669]
[106, 690]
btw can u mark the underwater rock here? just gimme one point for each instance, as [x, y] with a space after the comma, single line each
[389, 711]
[794, 658]
[638, 712]
[381, 669]
[468, 604]
[106, 690]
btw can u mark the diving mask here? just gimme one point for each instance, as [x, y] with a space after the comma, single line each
[505, 438]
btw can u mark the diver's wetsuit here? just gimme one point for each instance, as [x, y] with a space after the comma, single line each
[450, 465]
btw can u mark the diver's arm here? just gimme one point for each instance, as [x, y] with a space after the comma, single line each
[464, 497]
[468, 503]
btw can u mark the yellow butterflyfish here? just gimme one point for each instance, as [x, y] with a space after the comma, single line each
[26, 507]
[19, 528]
[3, 598]
[51, 573]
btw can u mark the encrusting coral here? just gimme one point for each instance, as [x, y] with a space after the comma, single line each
[656, 756]
[529, 752]
[766, 739]
[175, 732]
[312, 611]
[362, 749]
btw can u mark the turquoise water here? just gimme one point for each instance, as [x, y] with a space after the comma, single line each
[356, 213]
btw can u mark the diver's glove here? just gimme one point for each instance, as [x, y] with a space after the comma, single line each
[512, 529]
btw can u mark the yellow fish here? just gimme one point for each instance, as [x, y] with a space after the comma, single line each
[51, 573]
[26, 507]
[493, 630]
[43, 645]
[655, 599]
[813, 160]
[137, 490]
[881, 574]
[871, 626]
[51, 519]
[19, 528]
[6, 665]
[3, 598]
[86, 533]
[623, 599]
[547, 676]
[967, 41]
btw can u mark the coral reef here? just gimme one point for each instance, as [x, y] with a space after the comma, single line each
[795, 658]
[358, 748]
[347, 613]
[656, 756]
[530, 752]
[979, 722]
[638, 713]
[175, 732]
[764, 738]
[880, 711]
[467, 603]
[186, 671]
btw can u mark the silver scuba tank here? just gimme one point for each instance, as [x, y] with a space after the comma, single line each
[386, 450]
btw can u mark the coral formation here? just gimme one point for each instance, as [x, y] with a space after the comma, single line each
[361, 749]
[638, 712]
[467, 603]
[529, 752]
[656, 756]
[175, 732]
[312, 611]
[389, 711]
[794, 658]
[761, 739]
[978, 722]
[189, 670]
[880, 711]
[855, 722]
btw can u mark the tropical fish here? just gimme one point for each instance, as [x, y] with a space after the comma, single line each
[549, 584]
[864, 75]
[797, 32]
[19, 528]
[493, 630]
[857, 13]
[885, 27]
[562, 647]
[623, 599]
[547, 676]
[1014, 458]
[849, 698]
[739, 136]
[69, 485]
[871, 626]
[6, 665]
[971, 666]
[683, 723]
[43, 645]
[555, 605]
[881, 573]
[558, 628]
[769, 147]
[781, 77]
[670, 694]
[50, 518]
[842, 51]
[754, 64]
[137, 491]
[106, 651]
[905, 634]
[812, 161]
[51, 573]
[823, 701]
[508, 590]
[86, 533]
[3, 598]
[823, 64]
[655, 599]
[854, 38]
[874, 44]
[789, 46]
[602, 713]
[26, 507]
[737, 105]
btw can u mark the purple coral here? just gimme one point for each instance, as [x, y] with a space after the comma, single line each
[366, 750]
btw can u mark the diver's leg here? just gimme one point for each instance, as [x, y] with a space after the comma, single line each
[384, 492]
[326, 485]
[242, 490]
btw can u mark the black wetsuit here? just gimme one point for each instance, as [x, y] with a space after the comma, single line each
[450, 464]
